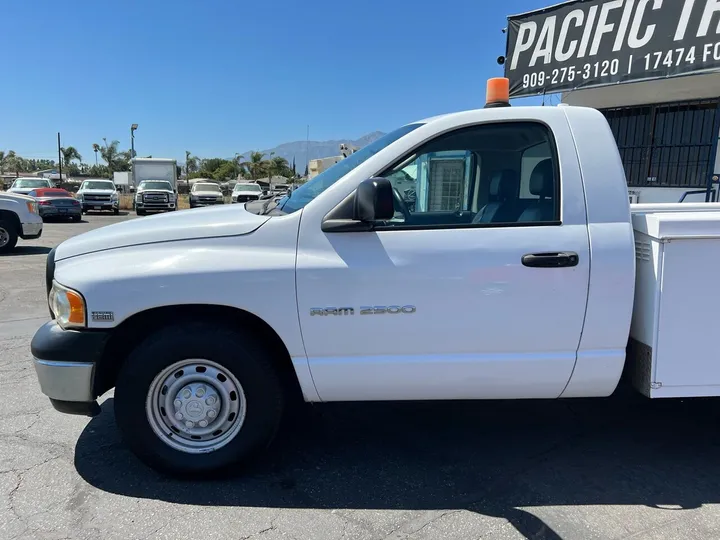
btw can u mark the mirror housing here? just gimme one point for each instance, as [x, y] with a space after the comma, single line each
[372, 201]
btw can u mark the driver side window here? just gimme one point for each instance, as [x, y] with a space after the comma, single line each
[503, 173]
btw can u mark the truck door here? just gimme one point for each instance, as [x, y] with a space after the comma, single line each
[476, 289]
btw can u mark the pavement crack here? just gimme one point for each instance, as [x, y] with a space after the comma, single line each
[399, 533]
[272, 527]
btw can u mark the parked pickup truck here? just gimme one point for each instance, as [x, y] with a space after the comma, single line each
[19, 218]
[99, 195]
[513, 277]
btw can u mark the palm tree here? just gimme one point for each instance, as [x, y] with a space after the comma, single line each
[256, 166]
[69, 154]
[96, 149]
[192, 163]
[278, 166]
[115, 159]
[5, 159]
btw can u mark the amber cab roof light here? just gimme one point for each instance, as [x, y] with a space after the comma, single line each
[498, 92]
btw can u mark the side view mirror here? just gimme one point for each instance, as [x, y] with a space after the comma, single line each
[371, 202]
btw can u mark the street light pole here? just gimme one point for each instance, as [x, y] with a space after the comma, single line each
[132, 140]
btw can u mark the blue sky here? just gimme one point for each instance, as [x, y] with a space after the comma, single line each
[225, 76]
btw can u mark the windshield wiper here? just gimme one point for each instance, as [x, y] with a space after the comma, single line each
[266, 207]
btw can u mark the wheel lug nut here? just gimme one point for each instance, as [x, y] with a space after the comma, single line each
[178, 415]
[189, 424]
[178, 403]
[203, 423]
[200, 392]
[187, 393]
[210, 401]
[212, 414]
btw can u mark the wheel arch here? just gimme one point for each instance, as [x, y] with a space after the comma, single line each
[132, 331]
[12, 217]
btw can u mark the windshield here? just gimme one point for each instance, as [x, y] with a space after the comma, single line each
[30, 183]
[156, 184]
[206, 187]
[308, 191]
[247, 187]
[98, 184]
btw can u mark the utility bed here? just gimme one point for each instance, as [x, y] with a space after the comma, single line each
[673, 349]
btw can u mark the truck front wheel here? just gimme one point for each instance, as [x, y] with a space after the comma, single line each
[196, 398]
[8, 236]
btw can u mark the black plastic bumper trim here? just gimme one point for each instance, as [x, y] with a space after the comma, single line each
[53, 343]
[81, 408]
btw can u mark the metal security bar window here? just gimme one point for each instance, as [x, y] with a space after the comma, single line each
[668, 145]
[447, 178]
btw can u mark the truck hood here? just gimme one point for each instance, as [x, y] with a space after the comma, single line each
[14, 196]
[207, 193]
[20, 190]
[200, 223]
[96, 192]
[152, 190]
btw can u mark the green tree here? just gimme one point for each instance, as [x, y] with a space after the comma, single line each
[115, 159]
[255, 167]
[225, 171]
[279, 166]
[191, 164]
[69, 153]
[6, 159]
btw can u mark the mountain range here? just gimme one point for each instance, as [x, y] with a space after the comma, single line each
[302, 151]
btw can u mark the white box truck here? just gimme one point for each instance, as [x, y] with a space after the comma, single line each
[521, 272]
[155, 184]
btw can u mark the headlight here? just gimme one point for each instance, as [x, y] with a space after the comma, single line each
[79, 197]
[68, 306]
[138, 197]
[114, 196]
[32, 207]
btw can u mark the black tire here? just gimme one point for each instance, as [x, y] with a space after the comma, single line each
[116, 211]
[236, 352]
[140, 212]
[12, 233]
[76, 218]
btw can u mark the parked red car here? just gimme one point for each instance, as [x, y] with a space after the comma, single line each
[56, 202]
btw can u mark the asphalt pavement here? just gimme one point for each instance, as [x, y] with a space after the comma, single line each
[621, 467]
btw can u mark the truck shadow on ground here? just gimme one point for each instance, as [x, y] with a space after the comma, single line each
[496, 458]
[21, 250]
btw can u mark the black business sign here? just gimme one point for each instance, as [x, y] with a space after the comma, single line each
[588, 43]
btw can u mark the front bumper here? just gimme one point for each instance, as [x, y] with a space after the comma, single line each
[194, 204]
[100, 205]
[31, 231]
[154, 206]
[65, 362]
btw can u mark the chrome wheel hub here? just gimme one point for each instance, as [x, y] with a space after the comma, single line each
[195, 406]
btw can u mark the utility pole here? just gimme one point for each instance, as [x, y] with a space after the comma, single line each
[187, 170]
[59, 158]
[307, 149]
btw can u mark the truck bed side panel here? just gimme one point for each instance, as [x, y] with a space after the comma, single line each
[601, 355]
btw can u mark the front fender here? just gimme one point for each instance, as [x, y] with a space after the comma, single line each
[253, 272]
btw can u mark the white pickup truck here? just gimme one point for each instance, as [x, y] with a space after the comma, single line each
[513, 276]
[19, 218]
